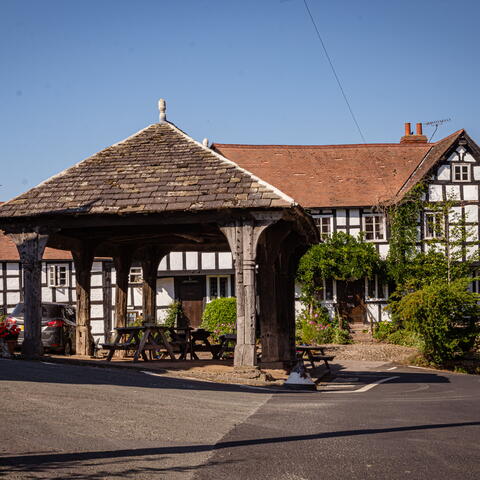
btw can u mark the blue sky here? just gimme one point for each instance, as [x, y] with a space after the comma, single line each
[78, 76]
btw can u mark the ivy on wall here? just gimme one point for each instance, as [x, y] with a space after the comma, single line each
[403, 221]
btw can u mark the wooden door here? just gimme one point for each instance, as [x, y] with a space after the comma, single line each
[191, 295]
[351, 301]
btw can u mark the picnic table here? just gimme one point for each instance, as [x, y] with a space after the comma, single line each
[227, 344]
[141, 339]
[199, 342]
[313, 353]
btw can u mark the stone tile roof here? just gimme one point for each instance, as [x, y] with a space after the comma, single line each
[338, 175]
[158, 169]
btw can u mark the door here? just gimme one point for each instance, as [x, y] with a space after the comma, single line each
[191, 293]
[351, 300]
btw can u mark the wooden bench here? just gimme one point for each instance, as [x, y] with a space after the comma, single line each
[313, 353]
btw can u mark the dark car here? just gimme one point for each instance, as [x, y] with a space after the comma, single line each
[58, 326]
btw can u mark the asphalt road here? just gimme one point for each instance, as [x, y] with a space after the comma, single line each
[59, 421]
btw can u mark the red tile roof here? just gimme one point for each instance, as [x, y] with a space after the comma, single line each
[8, 251]
[338, 175]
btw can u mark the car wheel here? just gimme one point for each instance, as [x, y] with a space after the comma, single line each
[67, 349]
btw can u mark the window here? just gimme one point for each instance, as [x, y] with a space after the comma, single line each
[57, 276]
[434, 225]
[461, 173]
[326, 293]
[218, 287]
[376, 288]
[135, 275]
[374, 227]
[324, 224]
[132, 317]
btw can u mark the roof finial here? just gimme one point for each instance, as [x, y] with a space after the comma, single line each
[162, 107]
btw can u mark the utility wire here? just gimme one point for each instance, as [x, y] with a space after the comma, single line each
[334, 72]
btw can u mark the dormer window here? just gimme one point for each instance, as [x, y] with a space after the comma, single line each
[461, 172]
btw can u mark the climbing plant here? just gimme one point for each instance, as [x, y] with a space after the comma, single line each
[342, 257]
[403, 222]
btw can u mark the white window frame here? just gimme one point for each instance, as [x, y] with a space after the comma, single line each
[217, 278]
[320, 225]
[460, 166]
[382, 224]
[324, 292]
[378, 283]
[57, 275]
[436, 235]
[135, 275]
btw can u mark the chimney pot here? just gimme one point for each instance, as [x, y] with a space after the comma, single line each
[408, 130]
[419, 129]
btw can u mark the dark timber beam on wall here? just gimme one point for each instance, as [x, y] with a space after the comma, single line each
[30, 247]
[150, 259]
[83, 260]
[122, 261]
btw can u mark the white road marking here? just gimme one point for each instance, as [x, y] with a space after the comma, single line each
[48, 363]
[340, 385]
[366, 388]
[392, 368]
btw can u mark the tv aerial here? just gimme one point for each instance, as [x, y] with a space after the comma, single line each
[436, 124]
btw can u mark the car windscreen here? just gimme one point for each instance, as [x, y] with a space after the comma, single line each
[18, 310]
[52, 311]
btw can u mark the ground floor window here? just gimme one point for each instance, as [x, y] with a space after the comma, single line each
[57, 276]
[135, 275]
[326, 293]
[376, 288]
[218, 286]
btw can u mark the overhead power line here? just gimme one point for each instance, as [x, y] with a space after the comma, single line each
[334, 72]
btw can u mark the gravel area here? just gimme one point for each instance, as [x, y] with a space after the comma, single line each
[375, 352]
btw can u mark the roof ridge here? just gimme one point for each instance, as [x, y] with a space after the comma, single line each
[346, 145]
[277, 191]
[452, 137]
[458, 132]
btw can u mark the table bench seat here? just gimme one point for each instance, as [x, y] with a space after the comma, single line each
[119, 346]
[319, 358]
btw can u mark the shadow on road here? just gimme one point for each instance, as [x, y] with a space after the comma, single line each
[42, 462]
[85, 375]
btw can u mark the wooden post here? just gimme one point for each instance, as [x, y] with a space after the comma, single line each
[270, 328]
[83, 260]
[243, 236]
[30, 248]
[122, 262]
[151, 257]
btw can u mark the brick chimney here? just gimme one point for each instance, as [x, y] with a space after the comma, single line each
[409, 137]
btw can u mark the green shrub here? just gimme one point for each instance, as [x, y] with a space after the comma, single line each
[174, 313]
[314, 326]
[392, 332]
[220, 317]
[382, 330]
[445, 315]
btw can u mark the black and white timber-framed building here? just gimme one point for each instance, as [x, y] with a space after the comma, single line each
[341, 186]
